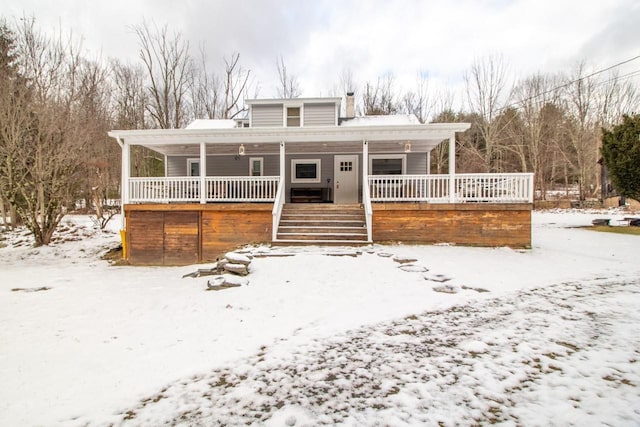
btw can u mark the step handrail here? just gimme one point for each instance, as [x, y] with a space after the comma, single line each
[278, 203]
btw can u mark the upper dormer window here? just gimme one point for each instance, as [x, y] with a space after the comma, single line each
[293, 116]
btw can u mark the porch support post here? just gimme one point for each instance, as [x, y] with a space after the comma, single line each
[428, 162]
[282, 165]
[452, 168]
[365, 163]
[125, 174]
[203, 173]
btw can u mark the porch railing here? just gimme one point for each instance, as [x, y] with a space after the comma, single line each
[492, 188]
[217, 189]
[241, 188]
[163, 190]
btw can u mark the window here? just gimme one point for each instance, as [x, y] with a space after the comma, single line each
[193, 167]
[293, 116]
[255, 166]
[303, 170]
[387, 164]
[346, 166]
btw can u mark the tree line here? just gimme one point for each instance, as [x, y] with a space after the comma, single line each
[57, 105]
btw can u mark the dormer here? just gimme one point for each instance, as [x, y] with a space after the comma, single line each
[295, 112]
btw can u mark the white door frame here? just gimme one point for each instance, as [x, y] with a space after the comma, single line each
[338, 180]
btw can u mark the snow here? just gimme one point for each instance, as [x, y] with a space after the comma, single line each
[326, 335]
[386, 120]
[212, 124]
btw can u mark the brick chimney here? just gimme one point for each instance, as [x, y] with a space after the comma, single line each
[350, 107]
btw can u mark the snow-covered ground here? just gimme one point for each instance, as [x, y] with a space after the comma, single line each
[326, 335]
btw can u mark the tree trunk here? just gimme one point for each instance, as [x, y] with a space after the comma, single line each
[5, 223]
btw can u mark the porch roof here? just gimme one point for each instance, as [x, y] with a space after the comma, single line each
[387, 138]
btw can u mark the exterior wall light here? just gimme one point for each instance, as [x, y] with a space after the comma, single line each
[241, 150]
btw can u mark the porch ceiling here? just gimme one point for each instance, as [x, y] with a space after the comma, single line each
[230, 149]
[338, 139]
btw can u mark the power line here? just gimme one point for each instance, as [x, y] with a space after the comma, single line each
[562, 86]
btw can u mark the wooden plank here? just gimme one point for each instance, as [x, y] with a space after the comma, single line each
[181, 238]
[225, 230]
[490, 226]
[145, 237]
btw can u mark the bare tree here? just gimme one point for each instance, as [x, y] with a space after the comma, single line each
[237, 83]
[419, 101]
[43, 138]
[532, 129]
[345, 84]
[205, 91]
[485, 87]
[288, 83]
[582, 130]
[381, 98]
[128, 96]
[616, 97]
[168, 63]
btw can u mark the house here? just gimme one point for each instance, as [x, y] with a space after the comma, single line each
[295, 172]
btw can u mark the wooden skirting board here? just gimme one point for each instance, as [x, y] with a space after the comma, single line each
[189, 233]
[473, 224]
[181, 234]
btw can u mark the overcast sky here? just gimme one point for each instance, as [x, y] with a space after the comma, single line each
[320, 38]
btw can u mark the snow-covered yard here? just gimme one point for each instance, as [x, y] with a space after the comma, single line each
[327, 336]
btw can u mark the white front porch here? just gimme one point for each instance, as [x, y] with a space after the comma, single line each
[430, 188]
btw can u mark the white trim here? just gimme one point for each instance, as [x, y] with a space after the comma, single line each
[190, 161]
[337, 159]
[203, 171]
[315, 180]
[452, 169]
[292, 100]
[435, 133]
[251, 160]
[285, 114]
[388, 156]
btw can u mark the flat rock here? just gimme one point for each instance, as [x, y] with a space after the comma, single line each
[440, 278]
[240, 269]
[447, 289]
[203, 272]
[237, 258]
[412, 268]
[404, 260]
[385, 254]
[481, 290]
[225, 281]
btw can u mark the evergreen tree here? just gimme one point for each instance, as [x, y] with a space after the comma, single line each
[621, 153]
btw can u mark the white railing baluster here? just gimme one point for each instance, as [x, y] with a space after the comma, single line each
[187, 189]
[490, 188]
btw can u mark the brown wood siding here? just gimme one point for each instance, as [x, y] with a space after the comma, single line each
[224, 230]
[181, 234]
[181, 238]
[145, 237]
[464, 224]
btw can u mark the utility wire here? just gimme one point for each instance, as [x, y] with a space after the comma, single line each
[573, 81]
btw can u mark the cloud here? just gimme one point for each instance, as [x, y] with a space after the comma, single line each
[320, 39]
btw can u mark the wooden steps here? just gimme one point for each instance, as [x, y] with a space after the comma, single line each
[322, 224]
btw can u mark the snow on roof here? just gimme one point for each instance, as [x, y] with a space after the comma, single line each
[396, 119]
[212, 124]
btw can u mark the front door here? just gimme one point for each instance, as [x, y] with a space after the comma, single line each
[345, 171]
